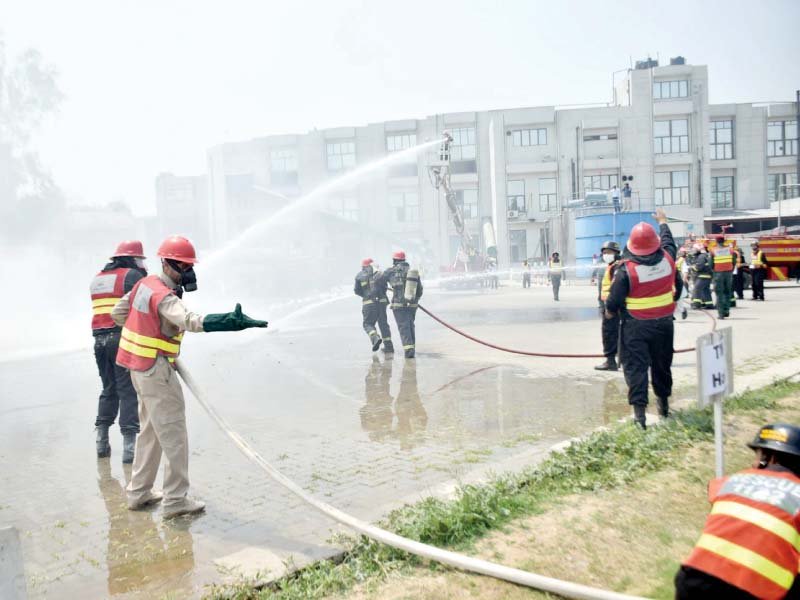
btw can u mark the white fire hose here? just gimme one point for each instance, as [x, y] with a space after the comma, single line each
[459, 561]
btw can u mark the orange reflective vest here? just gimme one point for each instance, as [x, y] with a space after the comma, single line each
[752, 536]
[605, 284]
[652, 289]
[723, 259]
[106, 289]
[142, 341]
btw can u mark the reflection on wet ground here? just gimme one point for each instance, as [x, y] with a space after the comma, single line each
[356, 429]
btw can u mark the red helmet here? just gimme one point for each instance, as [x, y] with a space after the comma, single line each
[644, 240]
[129, 248]
[177, 248]
[366, 262]
[399, 255]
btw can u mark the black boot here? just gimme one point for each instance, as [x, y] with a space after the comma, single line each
[388, 347]
[410, 353]
[103, 447]
[663, 407]
[609, 365]
[376, 342]
[128, 446]
[638, 416]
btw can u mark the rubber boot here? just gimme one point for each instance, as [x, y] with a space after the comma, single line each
[609, 365]
[388, 347]
[409, 353]
[103, 447]
[663, 407]
[128, 446]
[639, 416]
[376, 342]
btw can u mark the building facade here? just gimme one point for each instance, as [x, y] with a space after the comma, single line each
[519, 169]
[182, 206]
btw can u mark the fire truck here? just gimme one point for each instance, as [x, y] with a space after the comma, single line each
[781, 251]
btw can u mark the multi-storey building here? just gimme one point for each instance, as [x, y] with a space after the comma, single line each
[519, 168]
[182, 207]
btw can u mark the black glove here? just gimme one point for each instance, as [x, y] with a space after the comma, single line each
[232, 321]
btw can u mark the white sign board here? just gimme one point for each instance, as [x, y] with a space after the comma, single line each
[714, 365]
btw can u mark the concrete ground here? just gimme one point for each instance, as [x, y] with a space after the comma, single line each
[360, 431]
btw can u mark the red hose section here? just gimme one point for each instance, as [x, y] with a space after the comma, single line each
[543, 354]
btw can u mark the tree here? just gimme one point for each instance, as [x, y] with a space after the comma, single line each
[30, 200]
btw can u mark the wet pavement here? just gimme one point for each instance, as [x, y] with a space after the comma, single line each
[358, 430]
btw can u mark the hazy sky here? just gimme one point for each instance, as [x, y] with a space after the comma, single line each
[150, 85]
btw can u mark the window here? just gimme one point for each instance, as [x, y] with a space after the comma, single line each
[722, 192]
[283, 161]
[468, 201]
[600, 183]
[600, 137]
[404, 206]
[775, 180]
[518, 242]
[671, 136]
[463, 145]
[395, 143]
[346, 207]
[672, 187]
[529, 137]
[781, 138]
[663, 90]
[341, 155]
[515, 195]
[721, 139]
[547, 194]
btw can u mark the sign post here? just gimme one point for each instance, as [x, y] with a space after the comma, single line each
[715, 381]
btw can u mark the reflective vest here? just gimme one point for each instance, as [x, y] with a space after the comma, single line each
[106, 290]
[679, 264]
[723, 259]
[652, 291]
[605, 284]
[142, 340]
[556, 267]
[757, 260]
[752, 536]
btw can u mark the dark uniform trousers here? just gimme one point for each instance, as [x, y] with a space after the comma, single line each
[723, 288]
[374, 311]
[404, 317]
[118, 393]
[610, 333]
[701, 293]
[647, 346]
[738, 283]
[758, 283]
[555, 280]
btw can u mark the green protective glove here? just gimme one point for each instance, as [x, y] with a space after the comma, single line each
[232, 321]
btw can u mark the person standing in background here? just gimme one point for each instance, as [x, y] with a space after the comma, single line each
[526, 274]
[758, 270]
[555, 271]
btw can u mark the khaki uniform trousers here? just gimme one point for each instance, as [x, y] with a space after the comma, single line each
[162, 418]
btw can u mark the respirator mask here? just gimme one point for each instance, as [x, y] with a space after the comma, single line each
[188, 282]
[609, 258]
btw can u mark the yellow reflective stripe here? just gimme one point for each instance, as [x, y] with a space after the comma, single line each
[367, 302]
[137, 350]
[759, 518]
[103, 310]
[144, 340]
[747, 558]
[409, 347]
[654, 302]
[105, 302]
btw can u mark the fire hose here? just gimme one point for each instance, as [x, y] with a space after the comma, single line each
[467, 563]
[542, 354]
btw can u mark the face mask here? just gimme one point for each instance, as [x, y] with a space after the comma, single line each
[140, 264]
[188, 280]
[609, 258]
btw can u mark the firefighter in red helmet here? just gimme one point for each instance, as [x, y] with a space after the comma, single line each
[643, 294]
[118, 397]
[372, 291]
[153, 319]
[406, 292]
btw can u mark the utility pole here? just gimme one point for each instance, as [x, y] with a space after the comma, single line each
[797, 130]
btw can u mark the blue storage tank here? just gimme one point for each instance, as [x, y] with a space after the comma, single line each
[592, 230]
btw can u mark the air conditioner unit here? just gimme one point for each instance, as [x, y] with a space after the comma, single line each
[512, 214]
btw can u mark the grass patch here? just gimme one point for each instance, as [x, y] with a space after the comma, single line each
[603, 460]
